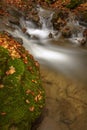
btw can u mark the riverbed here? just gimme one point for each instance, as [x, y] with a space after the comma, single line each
[66, 102]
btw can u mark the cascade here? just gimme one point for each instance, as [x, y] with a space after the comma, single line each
[70, 61]
[46, 25]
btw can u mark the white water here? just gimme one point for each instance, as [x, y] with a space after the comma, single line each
[77, 30]
[70, 61]
[45, 20]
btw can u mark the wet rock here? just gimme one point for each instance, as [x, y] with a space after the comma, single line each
[13, 20]
[83, 16]
[24, 30]
[66, 32]
[83, 23]
[50, 35]
[36, 18]
[85, 33]
[83, 41]
[28, 34]
[57, 24]
[58, 19]
[34, 37]
[14, 15]
[14, 11]
[19, 40]
[32, 15]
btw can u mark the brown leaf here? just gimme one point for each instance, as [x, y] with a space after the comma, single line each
[11, 70]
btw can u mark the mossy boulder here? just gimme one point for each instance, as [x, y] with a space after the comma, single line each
[21, 94]
[73, 4]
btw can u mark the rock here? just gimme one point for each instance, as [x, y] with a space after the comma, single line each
[13, 20]
[83, 23]
[29, 36]
[85, 33]
[66, 32]
[21, 93]
[83, 41]
[50, 35]
[34, 37]
[83, 16]
[24, 30]
[59, 19]
[36, 18]
[19, 40]
[14, 12]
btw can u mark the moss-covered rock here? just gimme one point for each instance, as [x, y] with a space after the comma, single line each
[73, 4]
[21, 93]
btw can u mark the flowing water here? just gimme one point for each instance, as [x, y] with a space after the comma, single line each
[69, 60]
[65, 80]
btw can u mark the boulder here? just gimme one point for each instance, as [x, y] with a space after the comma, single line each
[22, 96]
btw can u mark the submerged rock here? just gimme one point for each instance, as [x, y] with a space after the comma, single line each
[21, 92]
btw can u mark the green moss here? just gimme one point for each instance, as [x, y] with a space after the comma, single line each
[3, 59]
[15, 78]
[73, 4]
[21, 94]
[50, 1]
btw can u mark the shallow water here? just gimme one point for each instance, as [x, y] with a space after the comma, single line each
[66, 102]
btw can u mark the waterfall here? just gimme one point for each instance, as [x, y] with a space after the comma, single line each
[46, 25]
[45, 18]
[69, 61]
[76, 28]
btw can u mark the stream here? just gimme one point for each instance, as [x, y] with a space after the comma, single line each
[63, 70]
[57, 53]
